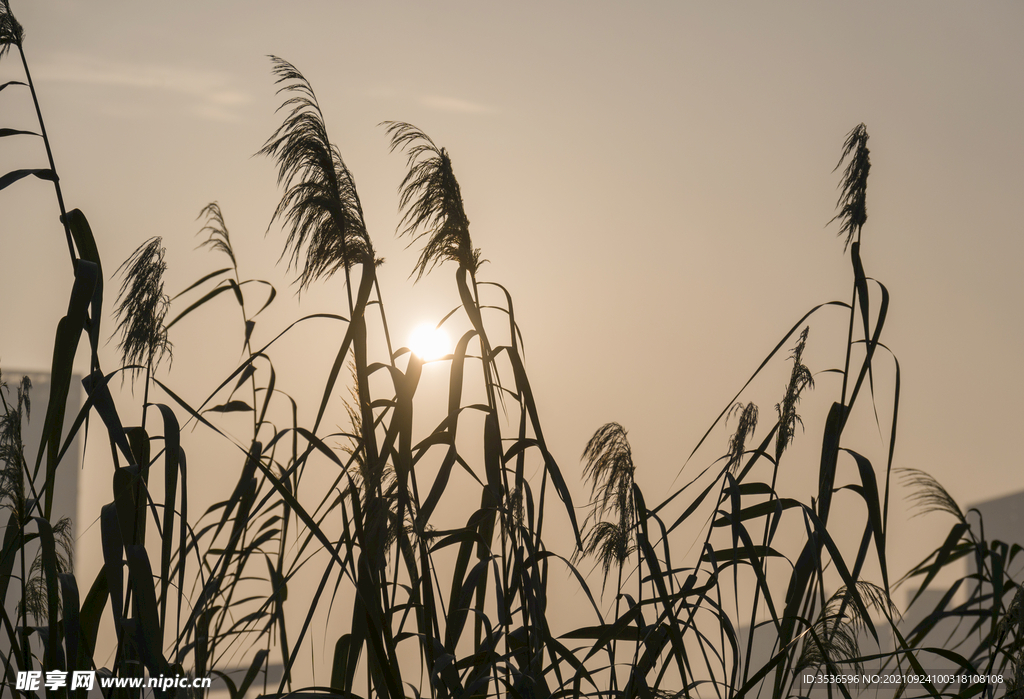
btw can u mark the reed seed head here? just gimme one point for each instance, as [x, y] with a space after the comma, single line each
[610, 543]
[745, 429]
[928, 494]
[36, 600]
[833, 640]
[609, 468]
[320, 206]
[852, 204]
[218, 239]
[11, 33]
[432, 200]
[142, 307]
[800, 378]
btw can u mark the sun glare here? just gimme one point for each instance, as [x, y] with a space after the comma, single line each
[429, 342]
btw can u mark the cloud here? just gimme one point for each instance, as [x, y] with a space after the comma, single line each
[210, 93]
[452, 104]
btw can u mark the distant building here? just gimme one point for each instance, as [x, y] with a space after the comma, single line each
[65, 496]
[1003, 520]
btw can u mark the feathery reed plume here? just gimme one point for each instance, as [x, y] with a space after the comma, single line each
[218, 240]
[833, 640]
[320, 206]
[610, 543]
[799, 379]
[745, 428]
[853, 197]
[928, 495]
[11, 33]
[609, 468]
[142, 307]
[36, 601]
[432, 200]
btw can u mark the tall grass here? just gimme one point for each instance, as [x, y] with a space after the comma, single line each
[437, 609]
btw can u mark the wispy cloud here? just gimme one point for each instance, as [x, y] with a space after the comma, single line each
[437, 103]
[210, 93]
[452, 104]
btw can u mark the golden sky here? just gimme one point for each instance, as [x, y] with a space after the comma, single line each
[652, 184]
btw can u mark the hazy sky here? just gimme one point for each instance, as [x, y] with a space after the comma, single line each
[652, 182]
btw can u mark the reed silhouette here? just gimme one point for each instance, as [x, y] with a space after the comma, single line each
[464, 610]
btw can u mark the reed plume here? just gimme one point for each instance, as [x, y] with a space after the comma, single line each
[744, 429]
[218, 240]
[320, 206]
[799, 379]
[432, 200]
[142, 307]
[11, 33]
[608, 467]
[854, 186]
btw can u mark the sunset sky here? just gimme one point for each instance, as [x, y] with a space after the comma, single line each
[651, 182]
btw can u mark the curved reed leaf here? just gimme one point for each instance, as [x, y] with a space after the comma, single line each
[15, 175]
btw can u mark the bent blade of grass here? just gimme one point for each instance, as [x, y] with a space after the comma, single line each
[363, 295]
[69, 330]
[15, 175]
[96, 387]
[869, 493]
[16, 132]
[149, 637]
[172, 448]
[757, 371]
[85, 243]
[834, 423]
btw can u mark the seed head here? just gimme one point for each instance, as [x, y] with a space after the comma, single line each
[142, 307]
[853, 211]
[11, 33]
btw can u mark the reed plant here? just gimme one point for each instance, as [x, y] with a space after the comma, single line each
[416, 605]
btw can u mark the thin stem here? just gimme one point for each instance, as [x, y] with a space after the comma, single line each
[49, 156]
[384, 320]
[849, 343]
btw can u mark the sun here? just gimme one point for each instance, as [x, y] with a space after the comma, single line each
[428, 342]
